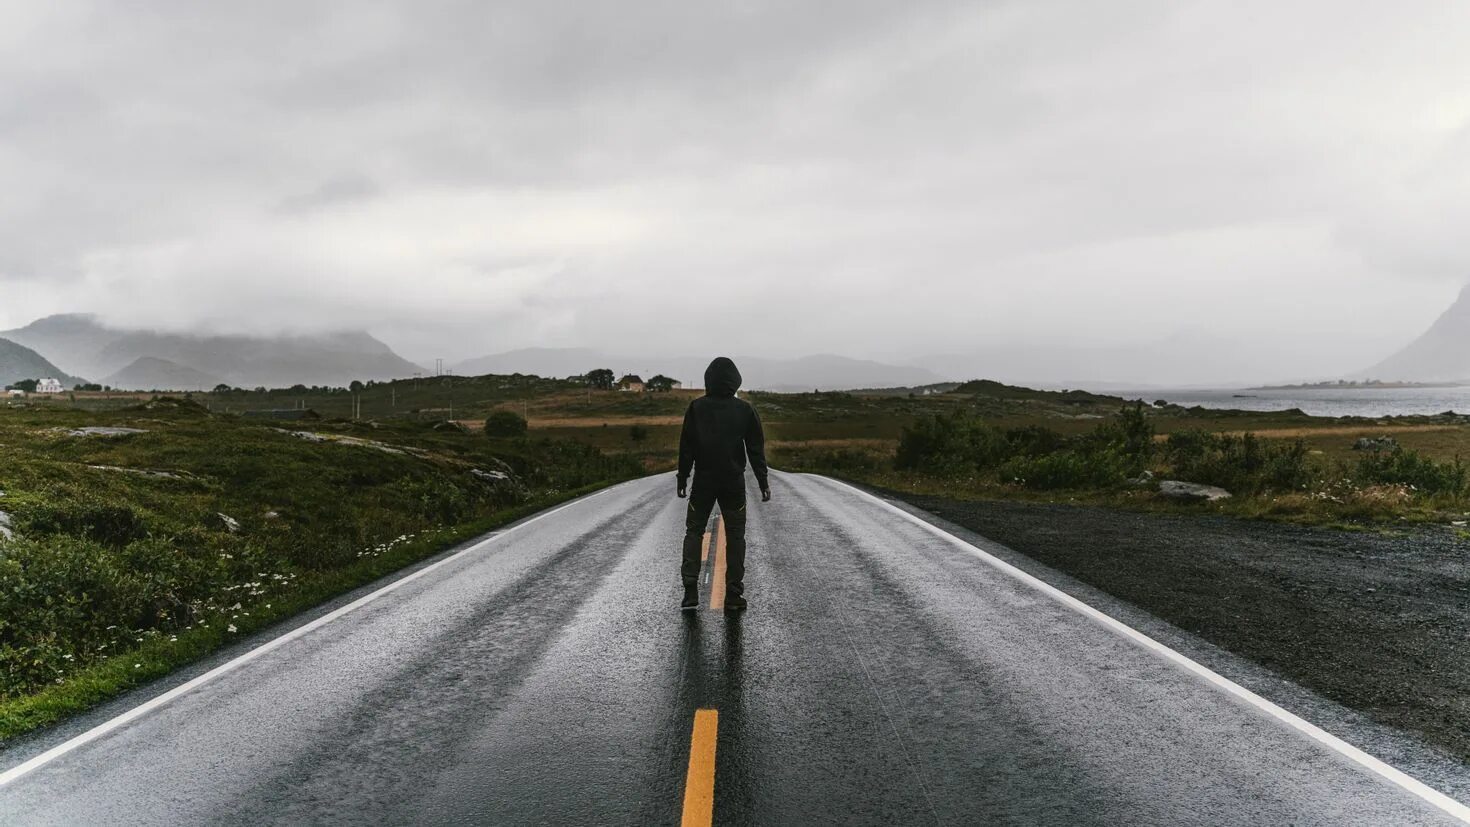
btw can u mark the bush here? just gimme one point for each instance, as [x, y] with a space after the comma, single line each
[506, 424]
[1415, 470]
[1067, 469]
[107, 523]
[959, 443]
[1241, 464]
[1042, 457]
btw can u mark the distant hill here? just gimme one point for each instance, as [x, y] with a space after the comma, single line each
[80, 343]
[18, 362]
[147, 373]
[1441, 354]
[824, 371]
[554, 362]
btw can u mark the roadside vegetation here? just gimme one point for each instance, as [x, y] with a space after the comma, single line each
[137, 540]
[990, 441]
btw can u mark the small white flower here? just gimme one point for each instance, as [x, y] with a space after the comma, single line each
[232, 628]
[137, 666]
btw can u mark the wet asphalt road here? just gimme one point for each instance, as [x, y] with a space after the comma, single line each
[881, 676]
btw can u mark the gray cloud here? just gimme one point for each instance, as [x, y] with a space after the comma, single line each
[872, 178]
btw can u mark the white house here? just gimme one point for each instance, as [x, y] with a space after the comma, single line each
[49, 385]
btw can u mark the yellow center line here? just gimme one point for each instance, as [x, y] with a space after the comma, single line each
[699, 785]
[717, 580]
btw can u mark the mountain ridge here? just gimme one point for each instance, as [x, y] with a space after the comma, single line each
[1439, 354]
[149, 373]
[18, 362]
[81, 343]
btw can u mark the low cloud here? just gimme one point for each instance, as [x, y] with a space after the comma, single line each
[770, 178]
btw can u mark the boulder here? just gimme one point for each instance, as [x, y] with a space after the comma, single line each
[1191, 492]
[94, 430]
[1143, 480]
[503, 485]
[5, 532]
[226, 522]
[1382, 443]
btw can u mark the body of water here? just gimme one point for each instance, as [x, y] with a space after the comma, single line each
[1322, 401]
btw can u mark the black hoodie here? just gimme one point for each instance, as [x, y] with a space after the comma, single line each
[720, 431]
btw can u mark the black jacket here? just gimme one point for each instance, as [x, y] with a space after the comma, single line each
[720, 431]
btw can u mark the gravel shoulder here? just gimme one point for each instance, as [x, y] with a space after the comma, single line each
[1374, 621]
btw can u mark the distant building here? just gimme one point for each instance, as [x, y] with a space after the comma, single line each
[632, 383]
[16, 393]
[49, 385]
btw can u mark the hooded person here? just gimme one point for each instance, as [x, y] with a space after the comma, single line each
[720, 433]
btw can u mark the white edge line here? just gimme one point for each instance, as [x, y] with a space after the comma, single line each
[1395, 776]
[144, 708]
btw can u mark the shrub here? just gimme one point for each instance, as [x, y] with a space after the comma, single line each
[937, 443]
[1413, 469]
[506, 424]
[1243, 464]
[957, 443]
[107, 523]
[1067, 469]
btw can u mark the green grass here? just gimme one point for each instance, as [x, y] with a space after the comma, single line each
[121, 556]
[158, 655]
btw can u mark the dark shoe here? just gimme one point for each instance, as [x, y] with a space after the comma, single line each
[735, 603]
[691, 598]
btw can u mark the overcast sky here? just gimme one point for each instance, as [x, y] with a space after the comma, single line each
[879, 179]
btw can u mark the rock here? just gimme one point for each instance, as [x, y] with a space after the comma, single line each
[227, 522]
[1142, 480]
[5, 532]
[271, 515]
[1191, 492]
[1382, 443]
[504, 486]
[100, 431]
[142, 472]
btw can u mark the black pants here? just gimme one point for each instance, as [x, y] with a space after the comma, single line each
[702, 499]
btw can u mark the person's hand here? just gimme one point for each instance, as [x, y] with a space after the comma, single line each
[765, 495]
[683, 490]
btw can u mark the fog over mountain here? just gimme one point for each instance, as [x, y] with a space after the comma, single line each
[18, 362]
[1441, 354]
[149, 373]
[82, 344]
[880, 180]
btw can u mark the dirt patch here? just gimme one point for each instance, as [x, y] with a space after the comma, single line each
[1376, 622]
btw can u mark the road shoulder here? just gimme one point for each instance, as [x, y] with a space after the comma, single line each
[1427, 761]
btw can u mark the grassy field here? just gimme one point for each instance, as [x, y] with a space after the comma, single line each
[138, 549]
[858, 436]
